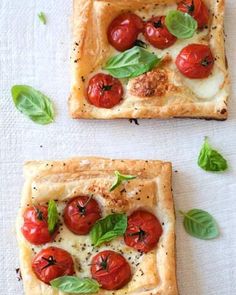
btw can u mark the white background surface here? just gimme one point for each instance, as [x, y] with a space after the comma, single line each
[38, 55]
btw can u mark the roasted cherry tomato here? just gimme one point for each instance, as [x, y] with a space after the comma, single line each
[143, 231]
[35, 227]
[195, 61]
[81, 213]
[157, 34]
[51, 263]
[111, 270]
[123, 31]
[197, 9]
[104, 91]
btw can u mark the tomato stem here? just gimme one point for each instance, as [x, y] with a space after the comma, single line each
[157, 24]
[106, 87]
[190, 7]
[51, 261]
[206, 62]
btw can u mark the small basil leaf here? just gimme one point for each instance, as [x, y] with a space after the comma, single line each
[200, 224]
[75, 285]
[108, 228]
[33, 104]
[181, 25]
[131, 63]
[211, 160]
[119, 179]
[53, 216]
[42, 17]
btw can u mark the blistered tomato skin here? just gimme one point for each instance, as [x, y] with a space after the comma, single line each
[195, 61]
[80, 214]
[124, 30]
[51, 263]
[111, 270]
[197, 9]
[35, 226]
[157, 34]
[104, 91]
[143, 231]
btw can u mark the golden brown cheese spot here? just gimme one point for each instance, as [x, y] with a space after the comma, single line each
[154, 83]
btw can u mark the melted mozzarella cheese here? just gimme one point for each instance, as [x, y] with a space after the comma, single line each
[206, 88]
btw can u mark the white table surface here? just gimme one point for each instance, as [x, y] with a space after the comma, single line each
[38, 55]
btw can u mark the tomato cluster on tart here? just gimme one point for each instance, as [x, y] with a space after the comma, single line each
[109, 268]
[195, 61]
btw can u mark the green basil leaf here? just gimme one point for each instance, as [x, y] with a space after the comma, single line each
[119, 179]
[53, 216]
[75, 285]
[33, 104]
[210, 160]
[200, 224]
[181, 25]
[131, 63]
[42, 17]
[108, 228]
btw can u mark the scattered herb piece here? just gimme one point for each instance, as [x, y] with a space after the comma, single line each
[108, 228]
[181, 25]
[131, 63]
[75, 285]
[33, 104]
[119, 179]
[42, 17]
[210, 160]
[200, 224]
[53, 216]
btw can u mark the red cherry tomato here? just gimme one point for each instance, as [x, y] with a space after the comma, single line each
[111, 270]
[195, 61]
[143, 231]
[123, 31]
[197, 9]
[80, 214]
[157, 34]
[35, 227]
[104, 91]
[51, 263]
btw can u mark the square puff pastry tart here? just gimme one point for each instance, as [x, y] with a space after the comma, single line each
[180, 96]
[153, 272]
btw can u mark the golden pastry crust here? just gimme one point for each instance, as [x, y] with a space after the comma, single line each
[91, 50]
[154, 272]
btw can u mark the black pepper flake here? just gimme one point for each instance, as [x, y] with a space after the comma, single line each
[134, 120]
[18, 273]
[40, 146]
[77, 44]
[138, 199]
[82, 78]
